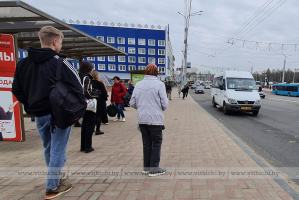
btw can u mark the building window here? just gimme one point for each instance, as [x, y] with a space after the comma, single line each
[101, 67]
[121, 67]
[101, 38]
[111, 67]
[122, 49]
[132, 59]
[101, 58]
[121, 40]
[110, 40]
[121, 59]
[151, 60]
[141, 67]
[161, 43]
[141, 60]
[131, 50]
[131, 41]
[161, 60]
[161, 69]
[161, 52]
[151, 42]
[94, 66]
[90, 58]
[25, 54]
[141, 50]
[132, 67]
[151, 52]
[111, 58]
[141, 41]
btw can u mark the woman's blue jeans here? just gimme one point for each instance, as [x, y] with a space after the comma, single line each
[120, 111]
[55, 144]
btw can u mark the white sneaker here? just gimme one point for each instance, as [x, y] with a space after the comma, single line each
[116, 120]
[124, 119]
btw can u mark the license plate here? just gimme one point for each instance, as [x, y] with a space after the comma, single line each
[245, 108]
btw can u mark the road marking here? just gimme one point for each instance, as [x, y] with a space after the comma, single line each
[284, 100]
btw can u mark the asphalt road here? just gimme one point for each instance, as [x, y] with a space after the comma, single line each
[273, 134]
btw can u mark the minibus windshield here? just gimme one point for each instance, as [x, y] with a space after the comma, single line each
[241, 83]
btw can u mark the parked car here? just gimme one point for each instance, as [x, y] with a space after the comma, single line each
[199, 89]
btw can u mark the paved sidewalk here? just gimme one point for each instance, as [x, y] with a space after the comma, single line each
[199, 156]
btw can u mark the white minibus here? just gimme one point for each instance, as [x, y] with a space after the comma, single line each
[235, 91]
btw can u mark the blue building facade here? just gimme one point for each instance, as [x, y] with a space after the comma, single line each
[143, 46]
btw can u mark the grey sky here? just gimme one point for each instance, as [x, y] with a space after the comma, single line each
[209, 33]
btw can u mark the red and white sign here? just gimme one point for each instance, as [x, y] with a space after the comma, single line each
[10, 119]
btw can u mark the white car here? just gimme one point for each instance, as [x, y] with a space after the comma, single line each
[199, 89]
[207, 86]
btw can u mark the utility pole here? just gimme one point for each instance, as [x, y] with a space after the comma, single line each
[294, 75]
[187, 16]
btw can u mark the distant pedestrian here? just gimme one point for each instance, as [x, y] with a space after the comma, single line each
[89, 118]
[118, 91]
[101, 101]
[168, 90]
[150, 99]
[184, 91]
[179, 90]
[31, 86]
[187, 90]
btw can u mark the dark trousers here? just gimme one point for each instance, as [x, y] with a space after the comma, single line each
[105, 119]
[98, 122]
[184, 94]
[87, 129]
[152, 141]
[1, 137]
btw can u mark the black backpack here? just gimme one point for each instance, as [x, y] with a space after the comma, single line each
[67, 103]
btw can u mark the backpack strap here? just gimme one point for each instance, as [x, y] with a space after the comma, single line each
[59, 69]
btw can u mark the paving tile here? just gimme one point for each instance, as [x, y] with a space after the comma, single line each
[191, 142]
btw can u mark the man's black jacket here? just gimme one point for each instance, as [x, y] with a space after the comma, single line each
[31, 84]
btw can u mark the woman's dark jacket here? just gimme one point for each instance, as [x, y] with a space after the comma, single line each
[101, 100]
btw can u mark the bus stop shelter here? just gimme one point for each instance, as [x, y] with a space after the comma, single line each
[22, 22]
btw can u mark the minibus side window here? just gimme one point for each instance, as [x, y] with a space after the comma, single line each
[224, 87]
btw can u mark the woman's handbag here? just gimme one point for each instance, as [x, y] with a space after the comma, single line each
[91, 103]
[112, 110]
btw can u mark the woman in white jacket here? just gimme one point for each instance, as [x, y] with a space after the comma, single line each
[150, 99]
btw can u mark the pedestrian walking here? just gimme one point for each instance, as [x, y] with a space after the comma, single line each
[118, 91]
[150, 99]
[187, 89]
[179, 90]
[168, 90]
[184, 91]
[31, 86]
[89, 118]
[101, 101]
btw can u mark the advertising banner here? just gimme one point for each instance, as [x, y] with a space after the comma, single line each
[10, 120]
[136, 78]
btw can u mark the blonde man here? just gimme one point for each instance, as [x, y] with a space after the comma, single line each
[31, 86]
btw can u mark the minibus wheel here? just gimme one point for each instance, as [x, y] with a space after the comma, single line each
[255, 113]
[224, 109]
[213, 102]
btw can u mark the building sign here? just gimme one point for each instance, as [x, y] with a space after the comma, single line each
[10, 120]
[136, 78]
[188, 64]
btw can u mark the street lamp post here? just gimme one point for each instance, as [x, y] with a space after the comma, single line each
[284, 67]
[187, 16]
[296, 70]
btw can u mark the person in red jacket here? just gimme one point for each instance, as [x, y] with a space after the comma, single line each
[118, 91]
